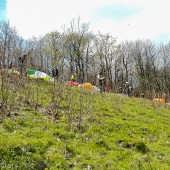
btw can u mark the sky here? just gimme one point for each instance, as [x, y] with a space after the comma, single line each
[123, 19]
[3, 9]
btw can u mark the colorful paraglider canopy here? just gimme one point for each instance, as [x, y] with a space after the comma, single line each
[86, 85]
[38, 74]
[31, 72]
[72, 83]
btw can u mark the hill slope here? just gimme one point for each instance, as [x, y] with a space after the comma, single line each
[55, 126]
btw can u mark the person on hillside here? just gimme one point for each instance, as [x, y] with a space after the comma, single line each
[142, 95]
[55, 73]
[102, 82]
[165, 97]
[10, 65]
[128, 89]
[22, 64]
[73, 78]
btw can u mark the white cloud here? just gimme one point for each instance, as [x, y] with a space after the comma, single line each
[37, 17]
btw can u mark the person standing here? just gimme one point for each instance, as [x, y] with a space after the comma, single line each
[55, 73]
[22, 64]
[102, 82]
[10, 65]
[128, 89]
[142, 95]
[73, 78]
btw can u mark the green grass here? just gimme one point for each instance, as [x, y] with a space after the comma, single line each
[92, 131]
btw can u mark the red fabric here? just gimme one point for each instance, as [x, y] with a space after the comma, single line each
[107, 87]
[72, 83]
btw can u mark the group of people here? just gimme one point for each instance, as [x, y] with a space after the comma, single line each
[22, 67]
[127, 89]
[55, 74]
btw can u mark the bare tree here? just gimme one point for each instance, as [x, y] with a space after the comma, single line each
[76, 44]
[106, 52]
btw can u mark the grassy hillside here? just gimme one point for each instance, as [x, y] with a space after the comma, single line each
[54, 126]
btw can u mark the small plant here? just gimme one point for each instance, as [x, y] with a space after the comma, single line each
[141, 147]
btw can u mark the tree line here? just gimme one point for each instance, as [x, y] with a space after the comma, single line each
[77, 50]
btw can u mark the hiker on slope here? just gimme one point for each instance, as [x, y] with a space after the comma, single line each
[102, 82]
[22, 64]
[55, 73]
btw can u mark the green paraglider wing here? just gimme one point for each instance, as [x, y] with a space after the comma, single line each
[31, 72]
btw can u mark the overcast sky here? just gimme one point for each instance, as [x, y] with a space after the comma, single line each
[124, 19]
